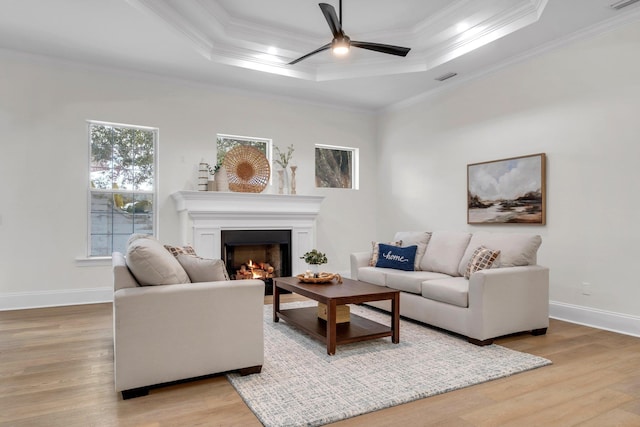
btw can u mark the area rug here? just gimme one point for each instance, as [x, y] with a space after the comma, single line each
[300, 385]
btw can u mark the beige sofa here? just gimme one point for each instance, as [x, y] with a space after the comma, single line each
[512, 296]
[172, 332]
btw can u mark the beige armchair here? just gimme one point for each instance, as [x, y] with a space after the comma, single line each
[169, 333]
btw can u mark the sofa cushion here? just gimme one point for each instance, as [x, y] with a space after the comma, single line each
[481, 259]
[516, 249]
[410, 281]
[203, 270]
[418, 238]
[375, 250]
[444, 251]
[454, 291]
[374, 275]
[398, 258]
[151, 264]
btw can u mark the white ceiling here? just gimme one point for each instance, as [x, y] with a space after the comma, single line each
[246, 44]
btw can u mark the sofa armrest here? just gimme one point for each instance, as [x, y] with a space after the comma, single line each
[359, 259]
[171, 332]
[503, 300]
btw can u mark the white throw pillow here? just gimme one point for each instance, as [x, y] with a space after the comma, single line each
[444, 251]
[203, 270]
[152, 264]
[516, 249]
[418, 238]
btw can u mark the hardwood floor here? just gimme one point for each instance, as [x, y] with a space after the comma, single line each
[56, 369]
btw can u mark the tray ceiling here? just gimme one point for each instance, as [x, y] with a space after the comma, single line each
[246, 44]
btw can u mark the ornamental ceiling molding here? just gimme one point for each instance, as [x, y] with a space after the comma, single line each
[435, 38]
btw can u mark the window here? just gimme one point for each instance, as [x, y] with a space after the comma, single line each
[336, 167]
[227, 142]
[122, 185]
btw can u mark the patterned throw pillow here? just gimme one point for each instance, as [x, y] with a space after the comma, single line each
[481, 259]
[375, 250]
[177, 250]
[399, 258]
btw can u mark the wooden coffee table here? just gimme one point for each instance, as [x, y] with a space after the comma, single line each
[334, 294]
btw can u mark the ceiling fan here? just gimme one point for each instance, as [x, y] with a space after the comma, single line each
[341, 42]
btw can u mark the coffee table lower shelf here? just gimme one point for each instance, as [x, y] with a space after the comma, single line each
[358, 329]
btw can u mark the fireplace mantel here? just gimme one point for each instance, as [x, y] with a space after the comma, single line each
[210, 212]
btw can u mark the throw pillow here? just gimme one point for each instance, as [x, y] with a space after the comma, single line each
[375, 250]
[419, 238]
[481, 259]
[137, 236]
[151, 264]
[177, 250]
[399, 258]
[203, 270]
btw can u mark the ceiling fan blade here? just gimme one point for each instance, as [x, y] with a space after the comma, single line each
[320, 49]
[332, 19]
[384, 48]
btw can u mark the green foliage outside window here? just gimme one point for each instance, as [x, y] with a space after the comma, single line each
[121, 184]
[334, 168]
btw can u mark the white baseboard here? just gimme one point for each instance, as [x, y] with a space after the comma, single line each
[601, 319]
[22, 300]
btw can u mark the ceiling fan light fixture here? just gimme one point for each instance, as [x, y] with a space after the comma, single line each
[340, 45]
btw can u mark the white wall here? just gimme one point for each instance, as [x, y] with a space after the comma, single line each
[44, 106]
[578, 104]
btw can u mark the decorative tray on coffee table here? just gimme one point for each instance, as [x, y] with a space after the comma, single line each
[322, 278]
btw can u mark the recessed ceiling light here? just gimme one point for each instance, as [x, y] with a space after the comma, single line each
[272, 50]
[462, 26]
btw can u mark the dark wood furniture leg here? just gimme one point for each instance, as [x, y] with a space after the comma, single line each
[331, 327]
[250, 370]
[276, 302]
[395, 319]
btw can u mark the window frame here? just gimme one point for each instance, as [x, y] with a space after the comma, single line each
[90, 191]
[355, 164]
[267, 141]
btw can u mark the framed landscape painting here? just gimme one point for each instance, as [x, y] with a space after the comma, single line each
[508, 191]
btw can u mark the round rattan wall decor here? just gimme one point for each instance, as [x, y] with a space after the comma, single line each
[247, 168]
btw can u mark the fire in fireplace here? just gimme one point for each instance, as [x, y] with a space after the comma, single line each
[259, 254]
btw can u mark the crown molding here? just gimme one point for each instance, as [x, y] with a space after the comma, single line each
[221, 37]
[585, 33]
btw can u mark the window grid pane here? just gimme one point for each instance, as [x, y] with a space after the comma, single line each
[122, 158]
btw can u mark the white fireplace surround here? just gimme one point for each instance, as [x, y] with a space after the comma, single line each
[207, 213]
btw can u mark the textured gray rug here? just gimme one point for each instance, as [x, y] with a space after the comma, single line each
[300, 385]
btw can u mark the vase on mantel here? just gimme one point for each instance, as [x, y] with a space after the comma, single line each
[283, 182]
[203, 176]
[221, 179]
[293, 179]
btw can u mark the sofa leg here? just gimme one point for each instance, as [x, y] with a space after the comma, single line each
[135, 392]
[537, 332]
[480, 343]
[250, 370]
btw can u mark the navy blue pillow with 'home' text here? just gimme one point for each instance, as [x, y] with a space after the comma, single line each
[399, 258]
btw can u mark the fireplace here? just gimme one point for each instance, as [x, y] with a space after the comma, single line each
[205, 215]
[257, 254]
